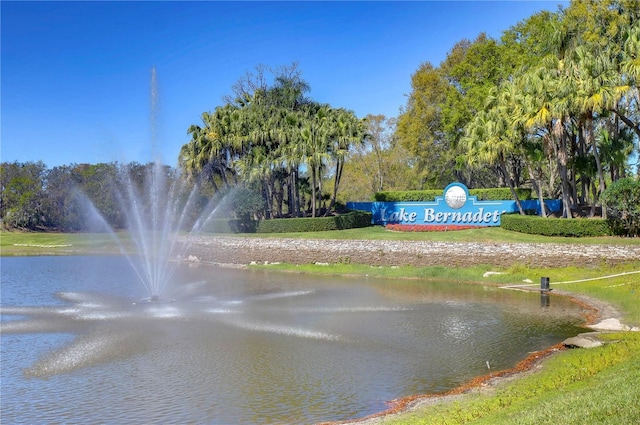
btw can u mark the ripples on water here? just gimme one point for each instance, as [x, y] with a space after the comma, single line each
[231, 346]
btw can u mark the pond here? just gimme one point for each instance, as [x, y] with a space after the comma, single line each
[231, 346]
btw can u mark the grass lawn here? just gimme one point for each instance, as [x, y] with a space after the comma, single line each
[595, 386]
[32, 243]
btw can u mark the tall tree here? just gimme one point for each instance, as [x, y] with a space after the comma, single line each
[420, 127]
[348, 131]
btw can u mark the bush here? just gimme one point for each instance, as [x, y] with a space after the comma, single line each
[622, 199]
[350, 220]
[225, 225]
[492, 194]
[535, 225]
[245, 203]
[407, 196]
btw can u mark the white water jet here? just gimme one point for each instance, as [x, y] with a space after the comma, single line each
[158, 207]
[156, 218]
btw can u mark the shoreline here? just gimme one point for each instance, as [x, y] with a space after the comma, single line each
[482, 383]
[259, 251]
[598, 311]
[595, 311]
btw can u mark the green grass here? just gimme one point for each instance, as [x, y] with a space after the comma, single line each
[28, 243]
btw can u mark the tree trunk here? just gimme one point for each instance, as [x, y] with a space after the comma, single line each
[267, 199]
[538, 190]
[566, 196]
[296, 191]
[560, 147]
[313, 191]
[634, 126]
[594, 145]
[279, 195]
[509, 180]
[292, 198]
[336, 183]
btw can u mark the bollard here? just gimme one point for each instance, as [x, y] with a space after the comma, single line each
[544, 284]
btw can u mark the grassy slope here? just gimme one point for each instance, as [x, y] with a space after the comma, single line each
[597, 386]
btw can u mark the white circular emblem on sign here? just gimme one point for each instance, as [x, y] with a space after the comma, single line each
[455, 197]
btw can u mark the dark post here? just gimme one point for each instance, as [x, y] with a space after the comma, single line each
[545, 300]
[544, 284]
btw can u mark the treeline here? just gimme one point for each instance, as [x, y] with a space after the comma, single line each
[79, 197]
[100, 197]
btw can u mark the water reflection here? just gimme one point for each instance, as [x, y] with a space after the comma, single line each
[233, 346]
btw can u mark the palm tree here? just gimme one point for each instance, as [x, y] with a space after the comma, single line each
[546, 111]
[598, 89]
[489, 140]
[315, 134]
[630, 71]
[529, 148]
[346, 130]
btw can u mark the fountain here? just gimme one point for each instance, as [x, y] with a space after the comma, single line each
[156, 218]
[157, 212]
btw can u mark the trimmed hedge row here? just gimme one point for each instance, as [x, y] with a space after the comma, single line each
[226, 225]
[492, 194]
[536, 225]
[350, 220]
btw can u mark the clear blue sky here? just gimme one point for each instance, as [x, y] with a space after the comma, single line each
[76, 76]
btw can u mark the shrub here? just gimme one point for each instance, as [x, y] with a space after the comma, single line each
[622, 199]
[407, 196]
[350, 220]
[536, 225]
[225, 225]
[492, 194]
[245, 203]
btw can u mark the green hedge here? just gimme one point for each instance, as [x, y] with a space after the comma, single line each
[536, 225]
[622, 199]
[224, 225]
[492, 194]
[350, 220]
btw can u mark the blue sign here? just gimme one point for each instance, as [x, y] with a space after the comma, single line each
[454, 207]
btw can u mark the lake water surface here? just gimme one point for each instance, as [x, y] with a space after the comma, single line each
[233, 346]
